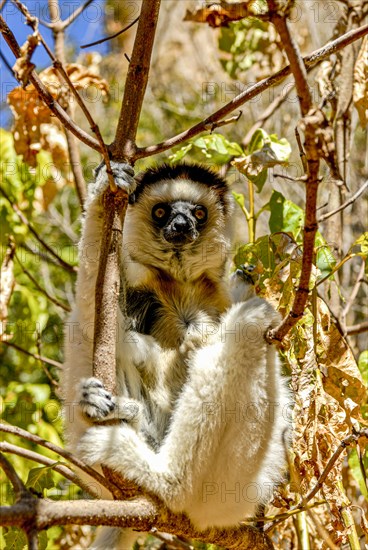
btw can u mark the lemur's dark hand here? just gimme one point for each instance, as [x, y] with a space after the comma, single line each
[123, 176]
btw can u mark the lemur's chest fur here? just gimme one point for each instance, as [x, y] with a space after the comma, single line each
[170, 308]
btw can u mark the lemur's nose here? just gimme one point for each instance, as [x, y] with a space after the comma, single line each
[180, 224]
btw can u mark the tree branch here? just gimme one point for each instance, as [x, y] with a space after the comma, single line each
[111, 36]
[352, 438]
[357, 329]
[345, 204]
[139, 514]
[73, 149]
[310, 61]
[313, 120]
[76, 13]
[20, 489]
[34, 355]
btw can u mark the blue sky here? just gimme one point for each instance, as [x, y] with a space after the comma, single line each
[87, 28]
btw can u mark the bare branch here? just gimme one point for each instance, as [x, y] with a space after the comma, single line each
[73, 149]
[315, 138]
[73, 16]
[139, 514]
[357, 329]
[111, 36]
[345, 204]
[33, 23]
[355, 291]
[351, 439]
[35, 355]
[20, 489]
[310, 61]
[24, 220]
[123, 146]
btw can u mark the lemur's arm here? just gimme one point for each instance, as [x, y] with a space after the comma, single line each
[79, 329]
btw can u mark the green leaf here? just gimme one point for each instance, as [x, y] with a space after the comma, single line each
[285, 215]
[257, 141]
[217, 143]
[259, 180]
[362, 243]
[325, 259]
[40, 479]
[15, 539]
[180, 154]
[355, 466]
[363, 366]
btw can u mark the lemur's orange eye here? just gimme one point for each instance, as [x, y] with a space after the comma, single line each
[160, 212]
[200, 213]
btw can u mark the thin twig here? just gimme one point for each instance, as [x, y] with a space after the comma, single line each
[111, 36]
[357, 329]
[76, 13]
[7, 64]
[73, 149]
[20, 489]
[212, 127]
[24, 220]
[352, 438]
[345, 204]
[355, 290]
[62, 469]
[267, 113]
[8, 428]
[43, 291]
[47, 360]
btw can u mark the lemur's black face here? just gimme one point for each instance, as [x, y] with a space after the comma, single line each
[180, 222]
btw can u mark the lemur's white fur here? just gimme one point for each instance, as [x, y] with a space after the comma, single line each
[211, 445]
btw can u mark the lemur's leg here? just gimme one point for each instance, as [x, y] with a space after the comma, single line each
[237, 368]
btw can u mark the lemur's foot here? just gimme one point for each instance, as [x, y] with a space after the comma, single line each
[99, 404]
[95, 402]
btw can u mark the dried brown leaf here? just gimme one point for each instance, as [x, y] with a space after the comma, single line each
[341, 376]
[34, 127]
[360, 87]
[23, 65]
[81, 77]
[29, 114]
[219, 15]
